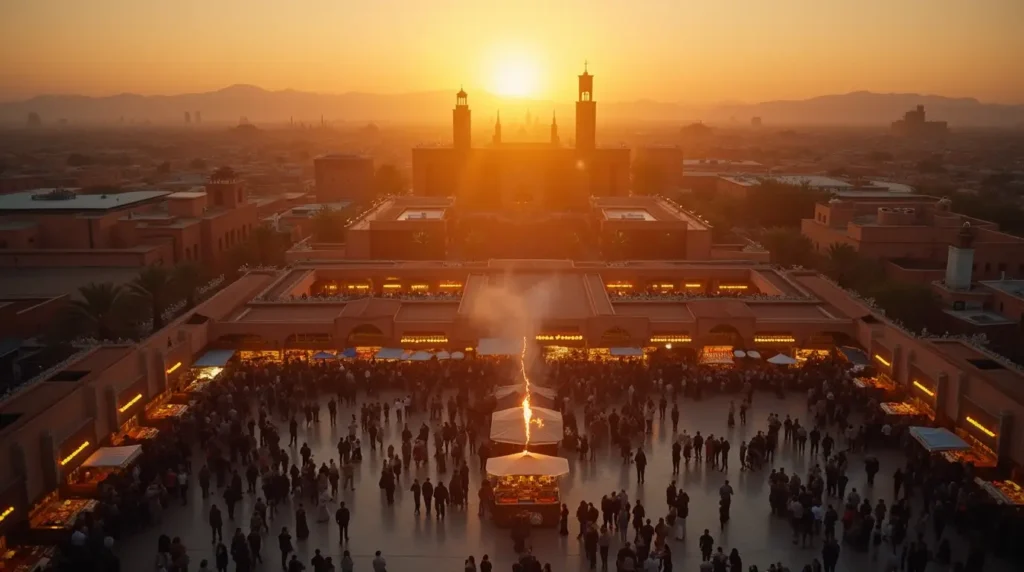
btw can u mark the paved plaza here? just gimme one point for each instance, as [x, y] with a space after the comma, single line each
[410, 542]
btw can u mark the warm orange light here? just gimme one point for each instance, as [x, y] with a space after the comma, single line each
[173, 368]
[424, 340]
[559, 337]
[980, 427]
[74, 454]
[420, 287]
[128, 405]
[732, 286]
[453, 285]
[774, 339]
[392, 286]
[527, 412]
[883, 361]
[671, 339]
[6, 513]
[693, 285]
[926, 391]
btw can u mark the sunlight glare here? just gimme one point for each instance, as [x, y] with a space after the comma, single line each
[515, 75]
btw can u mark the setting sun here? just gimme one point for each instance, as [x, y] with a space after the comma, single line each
[515, 75]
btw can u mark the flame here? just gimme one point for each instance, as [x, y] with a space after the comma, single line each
[527, 411]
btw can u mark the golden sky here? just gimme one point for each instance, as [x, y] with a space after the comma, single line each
[691, 51]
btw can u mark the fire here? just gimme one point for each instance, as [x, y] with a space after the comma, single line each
[527, 411]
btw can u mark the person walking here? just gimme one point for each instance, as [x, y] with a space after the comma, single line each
[216, 525]
[641, 465]
[284, 542]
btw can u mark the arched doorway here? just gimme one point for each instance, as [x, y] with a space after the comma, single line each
[615, 338]
[365, 335]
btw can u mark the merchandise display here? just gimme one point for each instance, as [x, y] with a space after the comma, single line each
[167, 411]
[61, 514]
[901, 409]
[1005, 492]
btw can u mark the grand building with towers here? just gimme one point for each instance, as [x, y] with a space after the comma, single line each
[523, 176]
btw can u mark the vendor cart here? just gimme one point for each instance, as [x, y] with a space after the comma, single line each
[526, 485]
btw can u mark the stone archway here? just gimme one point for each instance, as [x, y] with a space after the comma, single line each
[615, 337]
[724, 335]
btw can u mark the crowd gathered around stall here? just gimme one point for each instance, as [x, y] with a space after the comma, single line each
[242, 434]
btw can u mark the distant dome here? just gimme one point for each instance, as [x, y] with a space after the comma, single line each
[967, 224]
[462, 93]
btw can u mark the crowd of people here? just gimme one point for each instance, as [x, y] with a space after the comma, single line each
[232, 443]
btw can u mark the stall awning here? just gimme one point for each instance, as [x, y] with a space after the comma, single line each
[753, 354]
[938, 440]
[348, 353]
[443, 355]
[781, 359]
[214, 358]
[389, 353]
[458, 355]
[499, 347]
[324, 355]
[114, 457]
[739, 354]
[626, 352]
[421, 356]
[527, 464]
[508, 426]
[854, 355]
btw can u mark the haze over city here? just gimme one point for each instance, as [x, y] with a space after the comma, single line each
[530, 285]
[695, 52]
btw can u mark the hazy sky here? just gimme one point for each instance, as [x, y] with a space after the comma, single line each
[693, 51]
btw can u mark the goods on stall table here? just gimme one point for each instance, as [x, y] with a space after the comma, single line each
[62, 514]
[526, 489]
[1007, 492]
[168, 410]
[976, 458]
[875, 382]
[893, 408]
[26, 558]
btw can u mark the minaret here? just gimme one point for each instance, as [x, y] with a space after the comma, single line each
[960, 260]
[586, 112]
[554, 129]
[461, 122]
[497, 130]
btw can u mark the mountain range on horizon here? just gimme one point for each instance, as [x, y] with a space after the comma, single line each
[259, 105]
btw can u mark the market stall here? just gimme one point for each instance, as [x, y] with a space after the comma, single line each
[1003, 492]
[324, 356]
[499, 347]
[804, 354]
[389, 354]
[53, 518]
[855, 356]
[880, 383]
[716, 355]
[943, 442]
[208, 368]
[512, 395]
[25, 558]
[132, 433]
[525, 484]
[260, 356]
[900, 409]
[980, 430]
[164, 414]
[509, 430]
[84, 480]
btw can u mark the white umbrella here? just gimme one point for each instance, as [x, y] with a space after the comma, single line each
[753, 354]
[443, 355]
[739, 353]
[458, 355]
[781, 359]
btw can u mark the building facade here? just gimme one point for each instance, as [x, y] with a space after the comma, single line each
[344, 178]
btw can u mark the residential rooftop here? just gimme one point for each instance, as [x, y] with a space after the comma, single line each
[72, 201]
[1014, 288]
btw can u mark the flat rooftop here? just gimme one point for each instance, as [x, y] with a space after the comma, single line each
[31, 201]
[813, 181]
[187, 195]
[1007, 380]
[628, 214]
[55, 281]
[1014, 288]
[980, 317]
[313, 208]
[421, 214]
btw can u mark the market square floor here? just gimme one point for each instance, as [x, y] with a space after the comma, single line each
[410, 541]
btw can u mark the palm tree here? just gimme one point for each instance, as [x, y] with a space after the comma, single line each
[100, 307]
[188, 278]
[842, 258]
[224, 174]
[153, 284]
[787, 246]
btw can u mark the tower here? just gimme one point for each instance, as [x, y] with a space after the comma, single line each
[461, 121]
[960, 260]
[554, 129]
[497, 130]
[586, 112]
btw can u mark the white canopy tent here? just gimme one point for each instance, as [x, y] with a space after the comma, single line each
[458, 355]
[740, 353]
[389, 353]
[499, 347]
[421, 356]
[753, 354]
[443, 355]
[509, 426]
[114, 457]
[938, 440]
[781, 359]
[506, 390]
[527, 464]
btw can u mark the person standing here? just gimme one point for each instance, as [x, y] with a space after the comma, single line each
[830, 555]
[707, 544]
[428, 493]
[604, 542]
[216, 525]
[342, 517]
[641, 465]
[379, 564]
